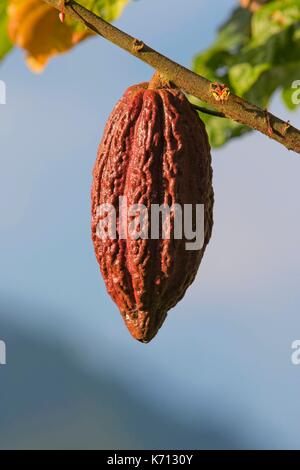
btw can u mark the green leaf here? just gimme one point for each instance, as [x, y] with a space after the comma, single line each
[255, 55]
[232, 36]
[5, 44]
[221, 130]
[243, 76]
[274, 17]
[287, 97]
[109, 10]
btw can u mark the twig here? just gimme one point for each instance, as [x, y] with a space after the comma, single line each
[234, 108]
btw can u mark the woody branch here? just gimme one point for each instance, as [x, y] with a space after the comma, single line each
[234, 107]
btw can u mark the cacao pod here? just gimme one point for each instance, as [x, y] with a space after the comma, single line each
[155, 150]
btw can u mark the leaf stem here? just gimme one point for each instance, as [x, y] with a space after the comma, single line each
[211, 112]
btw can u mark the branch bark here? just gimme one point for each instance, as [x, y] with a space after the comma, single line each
[234, 108]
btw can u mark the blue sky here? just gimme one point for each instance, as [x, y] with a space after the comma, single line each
[227, 345]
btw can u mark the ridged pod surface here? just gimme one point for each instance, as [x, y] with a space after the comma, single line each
[155, 150]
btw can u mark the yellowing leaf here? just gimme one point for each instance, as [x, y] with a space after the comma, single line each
[35, 26]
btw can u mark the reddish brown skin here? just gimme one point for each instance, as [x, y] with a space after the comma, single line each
[154, 150]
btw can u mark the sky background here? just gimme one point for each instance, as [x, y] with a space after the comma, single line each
[219, 373]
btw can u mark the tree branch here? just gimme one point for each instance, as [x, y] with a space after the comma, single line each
[234, 108]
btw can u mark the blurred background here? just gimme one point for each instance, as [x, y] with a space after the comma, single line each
[219, 374]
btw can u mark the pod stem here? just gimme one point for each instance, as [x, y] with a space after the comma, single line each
[159, 81]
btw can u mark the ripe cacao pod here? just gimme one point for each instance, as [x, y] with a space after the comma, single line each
[155, 150]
